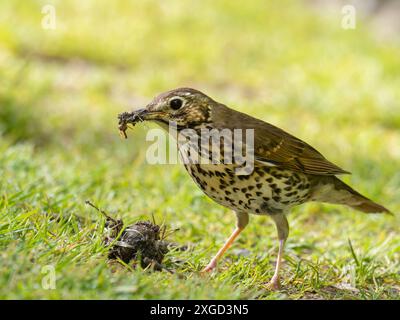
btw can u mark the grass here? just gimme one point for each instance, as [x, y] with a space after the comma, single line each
[60, 92]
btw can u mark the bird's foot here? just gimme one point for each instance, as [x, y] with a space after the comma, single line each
[274, 284]
[211, 266]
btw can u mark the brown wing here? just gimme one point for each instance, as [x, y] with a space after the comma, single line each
[275, 146]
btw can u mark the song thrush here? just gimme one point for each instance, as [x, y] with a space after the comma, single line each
[286, 171]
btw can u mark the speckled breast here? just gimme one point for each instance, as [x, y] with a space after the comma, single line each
[267, 190]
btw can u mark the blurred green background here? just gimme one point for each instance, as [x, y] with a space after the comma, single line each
[287, 62]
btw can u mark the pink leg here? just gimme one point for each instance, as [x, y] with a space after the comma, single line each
[283, 232]
[274, 283]
[242, 221]
[228, 243]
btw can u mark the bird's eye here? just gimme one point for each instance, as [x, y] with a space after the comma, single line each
[175, 104]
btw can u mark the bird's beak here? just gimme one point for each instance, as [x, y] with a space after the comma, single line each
[126, 118]
[136, 116]
[133, 117]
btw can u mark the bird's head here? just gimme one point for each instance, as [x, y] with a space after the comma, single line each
[188, 108]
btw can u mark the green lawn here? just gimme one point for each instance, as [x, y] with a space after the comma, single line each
[284, 62]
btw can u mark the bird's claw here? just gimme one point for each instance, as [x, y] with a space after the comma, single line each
[274, 284]
[210, 267]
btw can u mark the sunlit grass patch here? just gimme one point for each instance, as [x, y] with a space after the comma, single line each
[60, 93]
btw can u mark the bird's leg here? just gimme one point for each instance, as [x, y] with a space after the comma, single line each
[242, 221]
[282, 227]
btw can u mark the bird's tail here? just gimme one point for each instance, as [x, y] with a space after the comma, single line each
[369, 206]
[341, 193]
